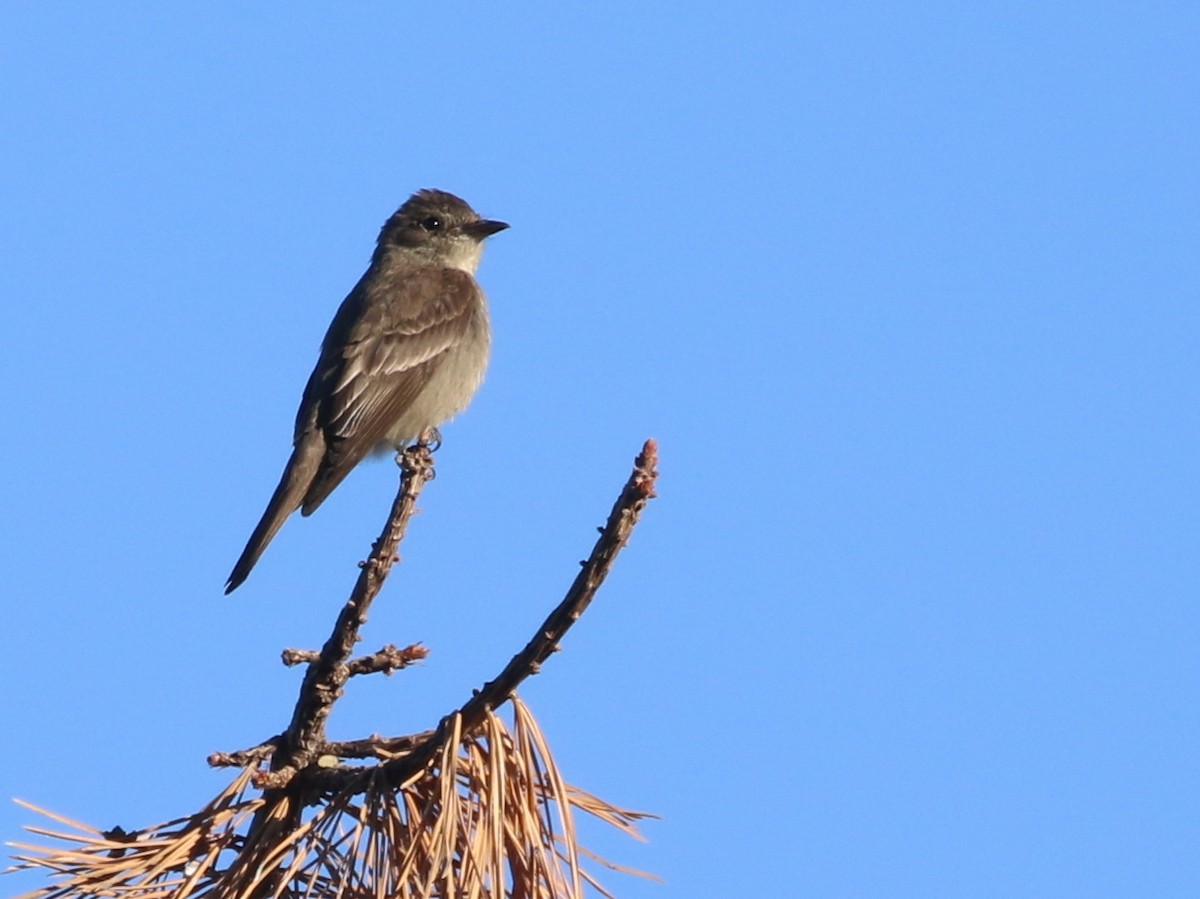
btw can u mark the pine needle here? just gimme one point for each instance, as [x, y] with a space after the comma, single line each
[490, 818]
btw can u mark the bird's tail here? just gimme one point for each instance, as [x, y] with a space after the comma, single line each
[297, 476]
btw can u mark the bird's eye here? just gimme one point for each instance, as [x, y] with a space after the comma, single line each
[433, 223]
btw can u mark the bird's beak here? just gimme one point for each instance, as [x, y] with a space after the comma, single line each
[484, 228]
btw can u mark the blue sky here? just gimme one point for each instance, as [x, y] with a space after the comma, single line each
[908, 294]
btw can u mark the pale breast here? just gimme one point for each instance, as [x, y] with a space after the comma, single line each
[452, 386]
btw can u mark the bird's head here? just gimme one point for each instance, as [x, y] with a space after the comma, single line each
[437, 228]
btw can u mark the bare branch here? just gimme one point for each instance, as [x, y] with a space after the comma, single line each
[626, 513]
[327, 675]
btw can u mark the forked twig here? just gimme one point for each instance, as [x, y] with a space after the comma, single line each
[626, 513]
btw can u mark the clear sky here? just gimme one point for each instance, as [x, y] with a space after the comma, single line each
[908, 293]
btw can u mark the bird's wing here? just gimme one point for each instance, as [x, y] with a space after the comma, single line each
[378, 355]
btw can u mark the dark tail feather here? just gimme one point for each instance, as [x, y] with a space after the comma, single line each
[324, 483]
[297, 477]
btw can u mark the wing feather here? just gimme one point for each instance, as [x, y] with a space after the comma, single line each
[380, 352]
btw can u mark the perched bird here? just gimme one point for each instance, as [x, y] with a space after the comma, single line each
[406, 351]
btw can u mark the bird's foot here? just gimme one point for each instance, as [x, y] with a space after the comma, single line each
[431, 438]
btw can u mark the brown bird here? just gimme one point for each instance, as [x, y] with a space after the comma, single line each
[406, 351]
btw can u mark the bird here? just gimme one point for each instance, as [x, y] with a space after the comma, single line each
[405, 352]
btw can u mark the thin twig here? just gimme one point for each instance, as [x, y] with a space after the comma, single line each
[243, 757]
[390, 658]
[387, 660]
[376, 747]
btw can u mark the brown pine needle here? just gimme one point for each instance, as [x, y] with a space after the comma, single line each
[61, 819]
[492, 818]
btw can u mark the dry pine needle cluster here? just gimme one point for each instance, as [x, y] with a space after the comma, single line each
[492, 813]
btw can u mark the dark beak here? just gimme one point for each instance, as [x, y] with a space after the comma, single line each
[484, 228]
